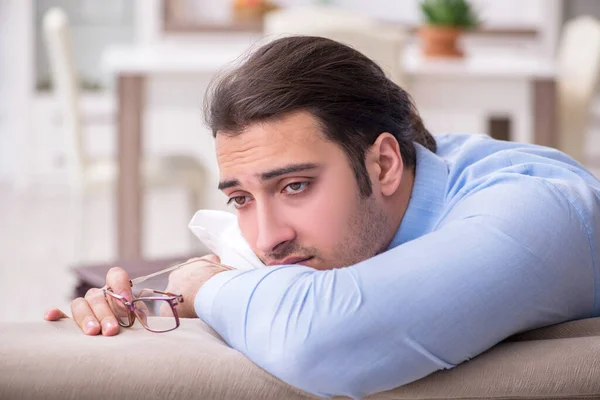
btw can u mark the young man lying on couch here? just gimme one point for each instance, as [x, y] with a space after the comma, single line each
[391, 254]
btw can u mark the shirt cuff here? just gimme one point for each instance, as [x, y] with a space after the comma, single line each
[203, 303]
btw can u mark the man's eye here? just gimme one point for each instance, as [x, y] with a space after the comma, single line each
[238, 201]
[296, 187]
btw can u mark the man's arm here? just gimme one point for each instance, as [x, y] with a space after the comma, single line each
[504, 261]
[95, 316]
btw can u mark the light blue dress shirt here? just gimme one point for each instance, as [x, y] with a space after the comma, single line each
[498, 238]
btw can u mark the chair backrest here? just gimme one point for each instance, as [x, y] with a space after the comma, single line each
[66, 88]
[305, 20]
[578, 72]
[384, 45]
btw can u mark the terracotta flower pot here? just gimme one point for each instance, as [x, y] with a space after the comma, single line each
[250, 11]
[440, 41]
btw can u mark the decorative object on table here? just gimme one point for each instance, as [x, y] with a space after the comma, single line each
[251, 11]
[445, 21]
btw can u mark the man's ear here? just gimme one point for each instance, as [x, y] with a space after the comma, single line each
[386, 161]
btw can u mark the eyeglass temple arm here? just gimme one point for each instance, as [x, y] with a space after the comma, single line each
[141, 279]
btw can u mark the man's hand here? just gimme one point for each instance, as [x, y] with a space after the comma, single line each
[188, 279]
[94, 316]
[92, 312]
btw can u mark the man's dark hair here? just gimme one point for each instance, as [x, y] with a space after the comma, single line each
[347, 92]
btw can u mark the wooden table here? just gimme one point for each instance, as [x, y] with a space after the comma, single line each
[505, 84]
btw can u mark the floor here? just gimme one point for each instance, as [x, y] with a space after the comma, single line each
[37, 241]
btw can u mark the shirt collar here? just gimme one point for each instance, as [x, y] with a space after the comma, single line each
[427, 198]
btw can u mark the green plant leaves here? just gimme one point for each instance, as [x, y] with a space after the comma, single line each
[452, 13]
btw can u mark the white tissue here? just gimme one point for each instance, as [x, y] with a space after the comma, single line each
[219, 231]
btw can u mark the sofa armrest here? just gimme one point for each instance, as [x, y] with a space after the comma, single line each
[573, 329]
[54, 360]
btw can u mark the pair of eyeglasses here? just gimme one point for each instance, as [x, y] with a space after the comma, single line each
[150, 303]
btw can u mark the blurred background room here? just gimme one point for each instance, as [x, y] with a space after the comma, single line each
[104, 155]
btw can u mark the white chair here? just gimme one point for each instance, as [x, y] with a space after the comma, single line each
[87, 175]
[578, 72]
[382, 44]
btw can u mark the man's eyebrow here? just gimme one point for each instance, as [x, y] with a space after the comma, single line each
[265, 176]
[228, 184]
[288, 169]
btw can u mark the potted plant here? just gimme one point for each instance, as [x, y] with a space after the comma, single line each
[445, 20]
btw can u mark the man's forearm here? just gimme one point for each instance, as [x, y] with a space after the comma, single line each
[312, 329]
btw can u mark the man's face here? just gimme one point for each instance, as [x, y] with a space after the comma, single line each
[296, 195]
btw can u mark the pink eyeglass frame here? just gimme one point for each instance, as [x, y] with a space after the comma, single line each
[172, 299]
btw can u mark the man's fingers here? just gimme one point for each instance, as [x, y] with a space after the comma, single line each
[93, 313]
[209, 257]
[216, 259]
[165, 310]
[54, 314]
[118, 280]
[84, 316]
[102, 311]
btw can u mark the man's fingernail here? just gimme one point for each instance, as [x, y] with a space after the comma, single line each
[126, 294]
[107, 325]
[91, 324]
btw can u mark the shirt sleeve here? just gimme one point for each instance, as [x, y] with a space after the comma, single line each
[505, 259]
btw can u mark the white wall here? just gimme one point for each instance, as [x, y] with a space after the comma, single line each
[6, 161]
[16, 82]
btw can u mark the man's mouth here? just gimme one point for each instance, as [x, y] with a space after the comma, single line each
[289, 261]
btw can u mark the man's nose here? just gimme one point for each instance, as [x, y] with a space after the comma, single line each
[273, 229]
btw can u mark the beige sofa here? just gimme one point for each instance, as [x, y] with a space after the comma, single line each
[54, 360]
